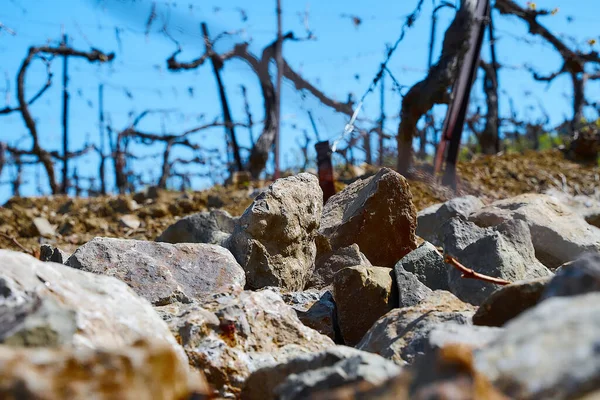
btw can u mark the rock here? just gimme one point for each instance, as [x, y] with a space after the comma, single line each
[585, 206]
[503, 252]
[547, 352]
[130, 221]
[327, 265]
[43, 228]
[578, 277]
[212, 227]
[233, 334]
[315, 308]
[449, 333]
[50, 253]
[402, 334]
[299, 377]
[362, 295]
[162, 273]
[410, 291]
[142, 370]
[509, 301]
[47, 304]
[558, 234]
[431, 219]
[446, 374]
[377, 214]
[428, 266]
[274, 240]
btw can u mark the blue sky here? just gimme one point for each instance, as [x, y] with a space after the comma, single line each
[343, 59]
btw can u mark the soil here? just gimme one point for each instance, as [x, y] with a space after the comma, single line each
[78, 220]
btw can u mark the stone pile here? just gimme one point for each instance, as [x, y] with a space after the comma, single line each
[295, 299]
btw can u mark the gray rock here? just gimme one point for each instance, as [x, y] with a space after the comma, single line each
[212, 227]
[585, 206]
[362, 295]
[558, 234]
[548, 352]
[274, 240]
[410, 290]
[51, 305]
[503, 252]
[578, 277]
[509, 301]
[161, 272]
[402, 334]
[314, 307]
[327, 265]
[457, 234]
[473, 336]
[234, 334]
[377, 214]
[298, 378]
[428, 266]
[431, 219]
[43, 227]
[50, 253]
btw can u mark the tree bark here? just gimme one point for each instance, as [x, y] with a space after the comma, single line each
[434, 88]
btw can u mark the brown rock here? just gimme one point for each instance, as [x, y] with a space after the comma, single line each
[274, 240]
[141, 371]
[509, 301]
[362, 295]
[377, 214]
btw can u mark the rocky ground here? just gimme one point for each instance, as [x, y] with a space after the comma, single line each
[267, 293]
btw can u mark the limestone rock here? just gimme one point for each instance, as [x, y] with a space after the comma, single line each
[161, 272]
[376, 213]
[558, 234]
[362, 295]
[428, 266]
[585, 206]
[301, 376]
[547, 352]
[212, 227]
[503, 252]
[130, 221]
[47, 304]
[274, 240]
[143, 370]
[327, 265]
[43, 227]
[233, 334]
[509, 301]
[402, 334]
[431, 219]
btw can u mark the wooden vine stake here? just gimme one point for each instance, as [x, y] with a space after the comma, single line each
[325, 167]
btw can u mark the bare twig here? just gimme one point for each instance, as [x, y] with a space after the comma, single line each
[16, 243]
[468, 273]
